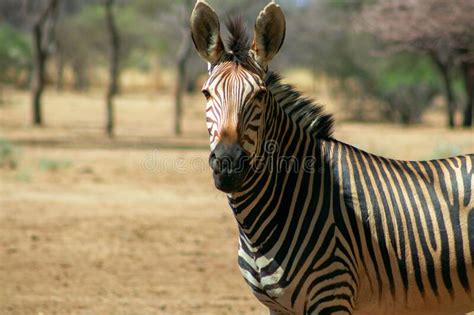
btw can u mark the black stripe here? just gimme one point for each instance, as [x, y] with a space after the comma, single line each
[424, 201]
[346, 182]
[430, 267]
[467, 179]
[398, 217]
[470, 232]
[443, 233]
[456, 225]
[377, 209]
[365, 218]
[320, 252]
[336, 208]
[407, 205]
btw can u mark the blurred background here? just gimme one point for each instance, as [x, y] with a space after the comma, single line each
[107, 205]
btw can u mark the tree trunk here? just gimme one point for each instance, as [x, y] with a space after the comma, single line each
[41, 40]
[37, 83]
[113, 68]
[445, 71]
[468, 73]
[81, 81]
[191, 82]
[183, 56]
[59, 72]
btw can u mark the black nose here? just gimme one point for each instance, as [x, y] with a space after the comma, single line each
[229, 163]
[227, 158]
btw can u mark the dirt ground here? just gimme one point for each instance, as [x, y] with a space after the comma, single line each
[134, 225]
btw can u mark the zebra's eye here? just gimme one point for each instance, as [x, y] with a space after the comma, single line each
[261, 94]
[206, 94]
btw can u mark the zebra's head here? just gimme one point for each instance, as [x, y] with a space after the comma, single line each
[235, 90]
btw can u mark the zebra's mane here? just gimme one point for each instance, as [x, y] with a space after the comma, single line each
[239, 40]
[303, 110]
[308, 114]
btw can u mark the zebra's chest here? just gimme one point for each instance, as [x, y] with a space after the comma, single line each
[268, 280]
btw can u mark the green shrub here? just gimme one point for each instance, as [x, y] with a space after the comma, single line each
[54, 165]
[8, 155]
[407, 103]
[24, 175]
[15, 55]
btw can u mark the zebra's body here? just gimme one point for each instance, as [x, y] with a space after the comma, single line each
[397, 235]
[324, 227]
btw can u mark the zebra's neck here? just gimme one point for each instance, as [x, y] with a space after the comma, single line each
[290, 164]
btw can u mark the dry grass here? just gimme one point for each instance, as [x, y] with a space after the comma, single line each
[134, 225]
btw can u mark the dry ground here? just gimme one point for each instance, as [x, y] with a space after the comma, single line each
[134, 225]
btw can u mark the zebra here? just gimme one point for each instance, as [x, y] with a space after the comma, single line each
[326, 228]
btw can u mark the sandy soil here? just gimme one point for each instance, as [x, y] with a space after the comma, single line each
[134, 225]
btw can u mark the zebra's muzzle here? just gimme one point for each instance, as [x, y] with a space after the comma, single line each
[229, 164]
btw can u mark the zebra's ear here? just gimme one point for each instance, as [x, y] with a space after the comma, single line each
[205, 32]
[269, 33]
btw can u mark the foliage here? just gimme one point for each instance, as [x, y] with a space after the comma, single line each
[83, 52]
[350, 41]
[400, 85]
[15, 55]
[407, 85]
[54, 165]
[8, 155]
[24, 175]
[446, 37]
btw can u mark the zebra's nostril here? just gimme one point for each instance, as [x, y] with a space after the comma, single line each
[227, 159]
[213, 161]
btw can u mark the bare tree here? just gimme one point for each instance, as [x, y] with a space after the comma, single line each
[59, 64]
[441, 29]
[43, 32]
[184, 53]
[467, 66]
[444, 60]
[112, 88]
